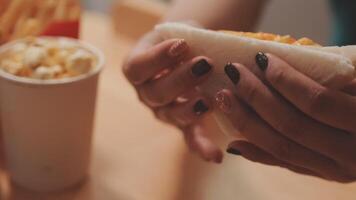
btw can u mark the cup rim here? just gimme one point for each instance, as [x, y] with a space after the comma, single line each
[55, 82]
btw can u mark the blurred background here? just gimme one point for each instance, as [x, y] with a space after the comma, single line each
[300, 17]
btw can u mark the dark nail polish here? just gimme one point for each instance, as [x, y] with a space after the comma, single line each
[262, 61]
[232, 73]
[201, 67]
[233, 151]
[200, 107]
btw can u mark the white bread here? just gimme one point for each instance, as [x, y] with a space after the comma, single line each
[330, 66]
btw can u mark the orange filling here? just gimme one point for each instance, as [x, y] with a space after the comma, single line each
[287, 39]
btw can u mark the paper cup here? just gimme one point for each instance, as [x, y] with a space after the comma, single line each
[47, 126]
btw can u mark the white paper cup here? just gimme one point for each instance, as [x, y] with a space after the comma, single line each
[47, 126]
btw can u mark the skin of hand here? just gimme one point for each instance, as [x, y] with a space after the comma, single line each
[165, 77]
[291, 121]
[161, 71]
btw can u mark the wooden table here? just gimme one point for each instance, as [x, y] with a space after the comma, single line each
[135, 157]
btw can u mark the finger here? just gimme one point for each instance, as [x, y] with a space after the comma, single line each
[350, 88]
[198, 141]
[143, 66]
[289, 121]
[326, 105]
[258, 132]
[161, 112]
[163, 91]
[256, 154]
[187, 113]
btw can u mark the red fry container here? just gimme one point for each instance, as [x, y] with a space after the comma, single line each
[69, 29]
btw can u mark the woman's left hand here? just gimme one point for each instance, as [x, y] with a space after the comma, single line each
[292, 121]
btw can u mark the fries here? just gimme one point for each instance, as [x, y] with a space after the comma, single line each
[11, 15]
[45, 10]
[21, 18]
[3, 5]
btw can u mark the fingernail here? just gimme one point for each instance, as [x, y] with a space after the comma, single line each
[223, 101]
[232, 73]
[178, 48]
[233, 151]
[262, 61]
[201, 67]
[200, 107]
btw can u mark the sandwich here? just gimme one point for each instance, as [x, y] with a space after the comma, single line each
[333, 67]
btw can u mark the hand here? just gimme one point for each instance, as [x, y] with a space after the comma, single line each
[165, 78]
[292, 121]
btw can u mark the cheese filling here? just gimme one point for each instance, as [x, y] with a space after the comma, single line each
[286, 39]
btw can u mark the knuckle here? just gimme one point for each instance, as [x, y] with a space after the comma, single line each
[318, 99]
[152, 98]
[129, 71]
[182, 79]
[291, 127]
[133, 71]
[162, 58]
[242, 124]
[251, 93]
[157, 99]
[181, 119]
[277, 76]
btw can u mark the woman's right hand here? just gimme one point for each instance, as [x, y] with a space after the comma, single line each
[165, 77]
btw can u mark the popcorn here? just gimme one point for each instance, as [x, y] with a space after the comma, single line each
[56, 69]
[43, 72]
[64, 44]
[47, 58]
[10, 66]
[79, 63]
[19, 47]
[34, 56]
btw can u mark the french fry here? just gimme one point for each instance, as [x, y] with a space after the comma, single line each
[11, 15]
[62, 10]
[46, 11]
[18, 27]
[3, 5]
[74, 13]
[30, 27]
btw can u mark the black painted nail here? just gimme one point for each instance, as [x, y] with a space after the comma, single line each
[200, 107]
[233, 151]
[201, 67]
[232, 73]
[262, 61]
